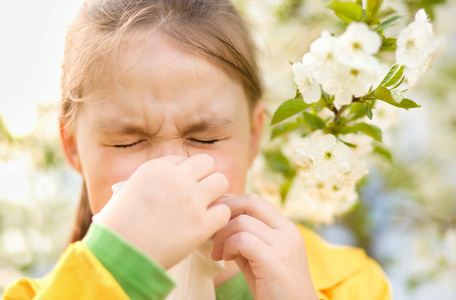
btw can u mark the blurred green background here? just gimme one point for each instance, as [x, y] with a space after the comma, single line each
[406, 218]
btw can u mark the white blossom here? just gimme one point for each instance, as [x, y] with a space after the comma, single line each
[318, 201]
[415, 73]
[304, 159]
[326, 156]
[344, 66]
[357, 45]
[350, 173]
[322, 51]
[295, 141]
[346, 82]
[416, 45]
[307, 85]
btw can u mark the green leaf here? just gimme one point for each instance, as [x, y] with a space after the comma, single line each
[314, 121]
[389, 22]
[368, 129]
[279, 163]
[372, 8]
[383, 152]
[357, 110]
[285, 188]
[394, 75]
[287, 109]
[388, 44]
[407, 103]
[298, 93]
[385, 95]
[283, 128]
[398, 83]
[386, 13]
[347, 11]
[348, 144]
[326, 98]
[369, 113]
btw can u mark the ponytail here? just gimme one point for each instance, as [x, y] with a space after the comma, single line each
[83, 217]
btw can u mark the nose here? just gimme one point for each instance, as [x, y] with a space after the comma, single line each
[169, 147]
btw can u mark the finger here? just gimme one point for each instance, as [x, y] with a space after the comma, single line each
[222, 199]
[218, 217]
[199, 166]
[214, 187]
[242, 223]
[249, 276]
[255, 206]
[248, 246]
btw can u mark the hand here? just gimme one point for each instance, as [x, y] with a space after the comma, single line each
[268, 249]
[166, 207]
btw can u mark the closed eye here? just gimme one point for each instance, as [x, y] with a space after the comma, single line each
[128, 145]
[204, 141]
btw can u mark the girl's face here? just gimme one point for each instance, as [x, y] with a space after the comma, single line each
[162, 100]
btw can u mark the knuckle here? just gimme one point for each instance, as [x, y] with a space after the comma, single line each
[241, 238]
[254, 198]
[241, 221]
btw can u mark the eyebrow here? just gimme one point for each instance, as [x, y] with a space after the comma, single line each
[121, 129]
[206, 124]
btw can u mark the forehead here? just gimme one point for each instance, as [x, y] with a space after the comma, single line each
[150, 51]
[159, 76]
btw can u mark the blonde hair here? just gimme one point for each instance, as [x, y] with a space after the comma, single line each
[212, 28]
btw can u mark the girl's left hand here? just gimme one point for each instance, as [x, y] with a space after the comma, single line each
[268, 248]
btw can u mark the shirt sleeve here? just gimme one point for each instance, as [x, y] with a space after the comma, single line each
[102, 267]
[368, 283]
[234, 289]
[139, 276]
[77, 275]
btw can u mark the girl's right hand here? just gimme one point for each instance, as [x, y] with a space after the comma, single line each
[166, 207]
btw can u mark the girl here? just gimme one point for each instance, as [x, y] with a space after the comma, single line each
[163, 95]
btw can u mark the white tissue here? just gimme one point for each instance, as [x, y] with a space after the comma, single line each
[194, 276]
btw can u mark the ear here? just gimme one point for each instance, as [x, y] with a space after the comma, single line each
[256, 130]
[70, 148]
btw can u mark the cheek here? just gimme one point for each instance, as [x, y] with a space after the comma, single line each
[104, 170]
[235, 170]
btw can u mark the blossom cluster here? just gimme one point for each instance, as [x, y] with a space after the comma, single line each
[344, 66]
[342, 82]
[325, 184]
[347, 66]
[416, 46]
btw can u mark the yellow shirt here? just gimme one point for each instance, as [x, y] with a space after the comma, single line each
[337, 273]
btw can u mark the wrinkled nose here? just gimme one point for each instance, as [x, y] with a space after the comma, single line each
[164, 148]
